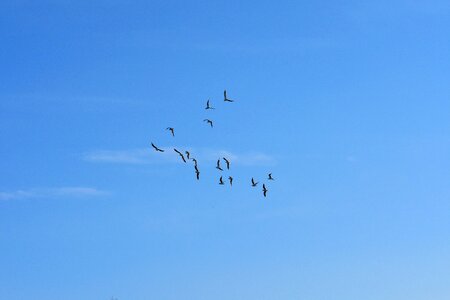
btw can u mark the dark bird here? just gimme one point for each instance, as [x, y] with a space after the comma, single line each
[171, 130]
[270, 177]
[179, 153]
[225, 98]
[220, 180]
[156, 148]
[187, 154]
[195, 161]
[208, 106]
[231, 180]
[227, 162]
[209, 122]
[264, 190]
[218, 165]
[254, 183]
[197, 173]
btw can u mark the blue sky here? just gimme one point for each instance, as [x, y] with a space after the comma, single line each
[346, 102]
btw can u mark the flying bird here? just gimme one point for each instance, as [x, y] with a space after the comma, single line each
[270, 177]
[156, 148]
[171, 130]
[208, 106]
[209, 122]
[221, 180]
[227, 162]
[253, 182]
[197, 172]
[187, 154]
[225, 98]
[179, 153]
[218, 165]
[264, 190]
[231, 180]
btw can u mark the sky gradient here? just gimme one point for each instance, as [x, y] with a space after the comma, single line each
[346, 102]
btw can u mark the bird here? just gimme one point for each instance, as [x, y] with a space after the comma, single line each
[227, 162]
[195, 161]
[264, 190]
[209, 122]
[187, 154]
[225, 97]
[270, 177]
[221, 180]
[208, 106]
[218, 165]
[254, 183]
[171, 130]
[197, 172]
[156, 148]
[231, 180]
[181, 154]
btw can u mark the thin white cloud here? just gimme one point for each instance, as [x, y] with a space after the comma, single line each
[53, 193]
[148, 156]
[251, 158]
[132, 156]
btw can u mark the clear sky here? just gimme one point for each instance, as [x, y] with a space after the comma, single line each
[346, 102]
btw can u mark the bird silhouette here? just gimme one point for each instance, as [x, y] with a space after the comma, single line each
[187, 154]
[197, 172]
[195, 161]
[171, 130]
[254, 183]
[270, 177]
[208, 106]
[156, 148]
[179, 153]
[209, 122]
[227, 162]
[264, 190]
[218, 165]
[225, 98]
[231, 180]
[221, 180]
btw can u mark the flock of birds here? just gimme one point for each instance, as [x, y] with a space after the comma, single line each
[218, 166]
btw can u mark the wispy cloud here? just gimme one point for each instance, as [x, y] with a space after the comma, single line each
[251, 158]
[131, 156]
[53, 193]
[148, 156]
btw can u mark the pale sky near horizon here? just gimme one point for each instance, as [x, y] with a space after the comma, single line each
[346, 102]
